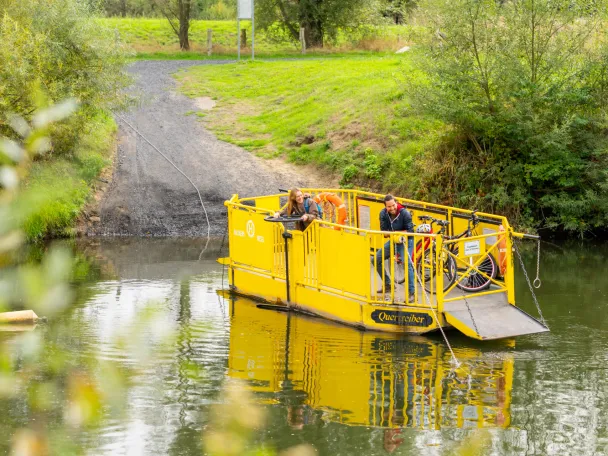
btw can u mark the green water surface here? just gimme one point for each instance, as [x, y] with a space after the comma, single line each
[150, 307]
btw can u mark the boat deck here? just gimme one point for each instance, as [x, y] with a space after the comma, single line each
[487, 317]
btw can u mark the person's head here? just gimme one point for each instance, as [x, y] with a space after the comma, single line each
[392, 439]
[295, 417]
[390, 204]
[295, 197]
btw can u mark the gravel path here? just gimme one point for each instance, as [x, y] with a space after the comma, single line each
[147, 196]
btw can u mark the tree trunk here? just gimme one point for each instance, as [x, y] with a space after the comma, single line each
[184, 24]
[313, 34]
[123, 8]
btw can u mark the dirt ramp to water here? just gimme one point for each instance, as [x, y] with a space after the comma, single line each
[148, 196]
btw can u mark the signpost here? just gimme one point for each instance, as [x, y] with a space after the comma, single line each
[245, 11]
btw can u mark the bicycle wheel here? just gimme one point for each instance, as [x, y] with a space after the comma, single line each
[474, 281]
[427, 269]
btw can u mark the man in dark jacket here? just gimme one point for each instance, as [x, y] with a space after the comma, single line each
[395, 217]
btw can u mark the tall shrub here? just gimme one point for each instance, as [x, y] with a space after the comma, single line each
[56, 46]
[523, 83]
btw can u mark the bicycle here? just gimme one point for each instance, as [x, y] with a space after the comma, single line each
[474, 280]
[427, 268]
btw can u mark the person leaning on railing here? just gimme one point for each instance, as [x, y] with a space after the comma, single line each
[297, 207]
[395, 217]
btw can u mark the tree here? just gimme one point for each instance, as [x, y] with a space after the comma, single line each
[523, 84]
[321, 19]
[178, 13]
[397, 10]
[60, 47]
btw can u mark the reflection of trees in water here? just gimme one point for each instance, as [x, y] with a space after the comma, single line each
[560, 384]
[186, 437]
[562, 409]
[573, 275]
[199, 372]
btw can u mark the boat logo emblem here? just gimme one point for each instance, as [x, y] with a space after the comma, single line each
[250, 228]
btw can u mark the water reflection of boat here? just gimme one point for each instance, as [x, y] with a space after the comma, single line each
[363, 378]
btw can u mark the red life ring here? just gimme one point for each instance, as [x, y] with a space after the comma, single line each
[502, 250]
[342, 214]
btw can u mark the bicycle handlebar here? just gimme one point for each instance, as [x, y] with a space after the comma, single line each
[434, 220]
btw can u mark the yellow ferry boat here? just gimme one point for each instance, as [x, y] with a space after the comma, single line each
[463, 271]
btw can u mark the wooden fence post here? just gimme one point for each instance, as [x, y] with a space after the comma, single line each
[209, 44]
[302, 40]
[243, 38]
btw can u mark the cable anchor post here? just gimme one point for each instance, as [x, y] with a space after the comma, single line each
[537, 283]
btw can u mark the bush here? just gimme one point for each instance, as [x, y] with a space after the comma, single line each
[526, 100]
[57, 49]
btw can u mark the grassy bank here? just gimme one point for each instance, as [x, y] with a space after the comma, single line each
[154, 38]
[57, 188]
[349, 115]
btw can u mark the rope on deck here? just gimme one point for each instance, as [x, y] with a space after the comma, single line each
[428, 301]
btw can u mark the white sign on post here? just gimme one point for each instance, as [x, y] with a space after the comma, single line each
[472, 248]
[244, 9]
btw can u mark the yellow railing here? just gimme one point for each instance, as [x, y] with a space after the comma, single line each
[344, 259]
[468, 261]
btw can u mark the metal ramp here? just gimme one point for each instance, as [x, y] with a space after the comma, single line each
[494, 318]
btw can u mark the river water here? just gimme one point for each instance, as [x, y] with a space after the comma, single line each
[152, 308]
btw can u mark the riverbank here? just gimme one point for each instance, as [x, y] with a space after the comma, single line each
[349, 116]
[57, 189]
[148, 196]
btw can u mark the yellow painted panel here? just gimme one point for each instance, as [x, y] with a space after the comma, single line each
[272, 203]
[374, 214]
[344, 261]
[330, 306]
[251, 239]
[258, 285]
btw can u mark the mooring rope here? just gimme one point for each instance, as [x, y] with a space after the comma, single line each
[523, 268]
[428, 301]
[181, 172]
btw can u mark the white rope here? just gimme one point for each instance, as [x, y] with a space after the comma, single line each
[181, 172]
[428, 301]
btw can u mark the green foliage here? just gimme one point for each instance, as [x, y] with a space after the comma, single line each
[57, 46]
[321, 20]
[219, 11]
[201, 9]
[397, 11]
[348, 174]
[372, 164]
[56, 190]
[523, 83]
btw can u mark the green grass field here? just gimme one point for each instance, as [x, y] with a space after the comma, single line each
[349, 115]
[57, 188]
[154, 38]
